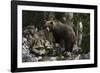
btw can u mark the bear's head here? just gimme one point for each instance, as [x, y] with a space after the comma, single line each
[49, 25]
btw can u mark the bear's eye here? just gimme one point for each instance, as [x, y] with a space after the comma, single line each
[51, 22]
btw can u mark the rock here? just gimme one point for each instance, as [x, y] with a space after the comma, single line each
[85, 56]
[77, 57]
[42, 51]
[53, 58]
[26, 57]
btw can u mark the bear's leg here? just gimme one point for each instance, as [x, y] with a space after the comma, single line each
[68, 46]
[68, 49]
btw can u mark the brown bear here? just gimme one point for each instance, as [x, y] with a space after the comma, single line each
[62, 33]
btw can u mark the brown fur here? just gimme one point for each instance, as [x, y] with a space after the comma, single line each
[63, 34]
